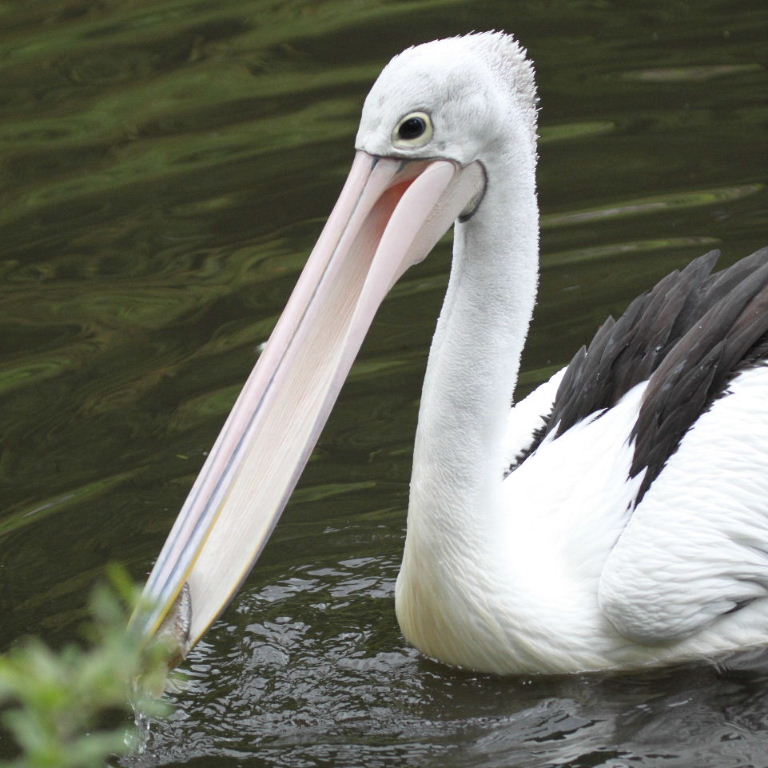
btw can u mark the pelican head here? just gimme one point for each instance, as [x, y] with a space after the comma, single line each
[433, 121]
[476, 94]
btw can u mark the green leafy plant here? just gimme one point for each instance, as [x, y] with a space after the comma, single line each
[59, 704]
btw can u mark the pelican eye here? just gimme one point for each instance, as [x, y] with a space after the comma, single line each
[414, 130]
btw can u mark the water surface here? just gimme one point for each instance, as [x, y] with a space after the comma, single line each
[166, 166]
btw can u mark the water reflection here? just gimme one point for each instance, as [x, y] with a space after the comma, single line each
[166, 167]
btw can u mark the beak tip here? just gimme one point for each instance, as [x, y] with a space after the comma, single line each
[176, 626]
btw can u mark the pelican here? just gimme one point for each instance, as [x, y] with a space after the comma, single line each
[615, 518]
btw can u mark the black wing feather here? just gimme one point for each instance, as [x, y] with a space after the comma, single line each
[728, 336]
[689, 336]
[627, 351]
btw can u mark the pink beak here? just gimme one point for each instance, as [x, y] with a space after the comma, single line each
[390, 214]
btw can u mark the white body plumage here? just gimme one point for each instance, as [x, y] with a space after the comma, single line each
[581, 581]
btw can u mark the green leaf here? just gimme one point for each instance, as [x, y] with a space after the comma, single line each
[59, 700]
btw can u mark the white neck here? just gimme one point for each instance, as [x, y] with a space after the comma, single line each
[455, 503]
[475, 356]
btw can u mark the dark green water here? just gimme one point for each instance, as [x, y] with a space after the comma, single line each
[166, 166]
